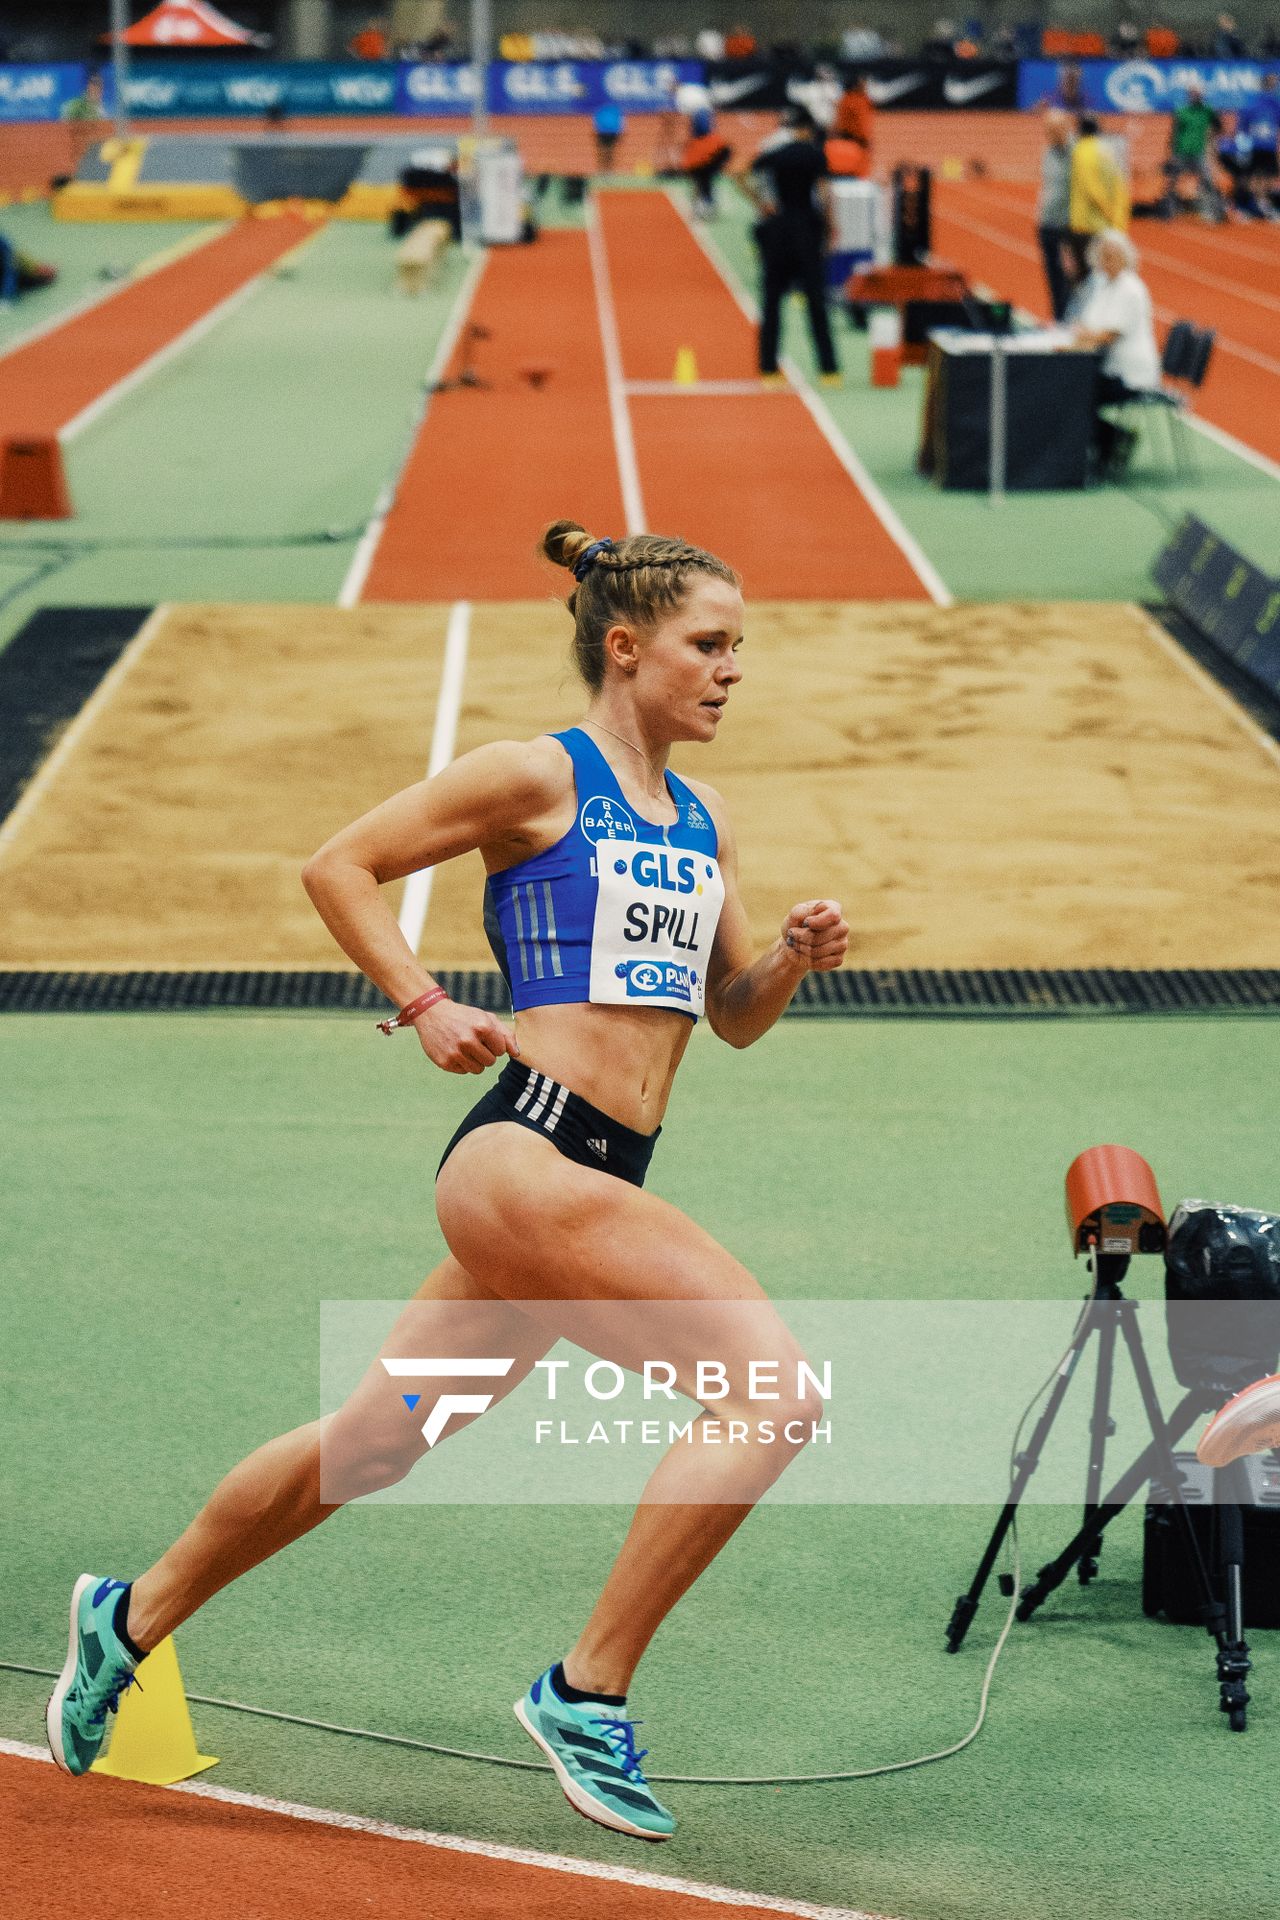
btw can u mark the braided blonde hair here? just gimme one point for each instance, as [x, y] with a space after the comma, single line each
[631, 584]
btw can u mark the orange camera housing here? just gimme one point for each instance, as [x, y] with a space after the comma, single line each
[1113, 1203]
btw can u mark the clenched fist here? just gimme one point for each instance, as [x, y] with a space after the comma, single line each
[462, 1039]
[817, 933]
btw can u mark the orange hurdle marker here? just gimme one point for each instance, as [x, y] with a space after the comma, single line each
[33, 485]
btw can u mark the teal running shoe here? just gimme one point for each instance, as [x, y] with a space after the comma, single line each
[593, 1751]
[98, 1670]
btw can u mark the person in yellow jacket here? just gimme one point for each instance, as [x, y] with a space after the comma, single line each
[1099, 194]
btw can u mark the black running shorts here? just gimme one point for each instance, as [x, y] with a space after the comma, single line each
[579, 1130]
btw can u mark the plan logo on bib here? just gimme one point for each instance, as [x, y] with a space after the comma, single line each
[650, 979]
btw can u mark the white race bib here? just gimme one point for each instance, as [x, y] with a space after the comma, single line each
[657, 908]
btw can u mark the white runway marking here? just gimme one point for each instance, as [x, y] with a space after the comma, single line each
[897, 530]
[106, 688]
[623, 440]
[358, 572]
[487, 1849]
[453, 673]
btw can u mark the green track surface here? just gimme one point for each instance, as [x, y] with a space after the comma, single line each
[1094, 545]
[287, 418]
[185, 1191]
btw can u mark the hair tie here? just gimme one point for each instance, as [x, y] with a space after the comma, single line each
[585, 558]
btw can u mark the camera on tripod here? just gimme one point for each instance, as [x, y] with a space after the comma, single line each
[1222, 1292]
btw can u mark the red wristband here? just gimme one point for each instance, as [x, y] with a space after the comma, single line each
[408, 1014]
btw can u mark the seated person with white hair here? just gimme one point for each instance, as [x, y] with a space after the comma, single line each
[1113, 311]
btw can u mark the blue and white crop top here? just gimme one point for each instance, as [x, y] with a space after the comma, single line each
[619, 911]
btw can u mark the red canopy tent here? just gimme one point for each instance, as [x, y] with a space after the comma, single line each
[180, 24]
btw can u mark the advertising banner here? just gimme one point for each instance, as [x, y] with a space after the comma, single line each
[546, 86]
[1140, 86]
[892, 85]
[40, 93]
[163, 86]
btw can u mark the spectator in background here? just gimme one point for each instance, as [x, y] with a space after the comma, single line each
[704, 159]
[1261, 120]
[787, 183]
[709, 44]
[1099, 198]
[854, 127]
[1227, 43]
[371, 42]
[1162, 43]
[1115, 314]
[740, 44]
[1126, 39]
[608, 122]
[1192, 129]
[19, 273]
[861, 43]
[1053, 209]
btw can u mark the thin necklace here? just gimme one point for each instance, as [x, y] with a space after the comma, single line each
[634, 748]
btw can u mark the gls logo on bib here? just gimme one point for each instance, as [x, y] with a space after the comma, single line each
[655, 920]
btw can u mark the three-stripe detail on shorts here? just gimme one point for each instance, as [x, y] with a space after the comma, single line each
[548, 1097]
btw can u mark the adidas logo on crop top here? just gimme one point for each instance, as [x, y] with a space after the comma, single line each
[620, 911]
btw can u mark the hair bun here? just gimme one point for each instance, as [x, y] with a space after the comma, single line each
[564, 541]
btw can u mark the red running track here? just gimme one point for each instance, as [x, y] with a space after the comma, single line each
[44, 385]
[492, 466]
[748, 475]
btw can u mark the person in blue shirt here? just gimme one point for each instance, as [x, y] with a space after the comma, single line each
[608, 121]
[1260, 120]
[613, 907]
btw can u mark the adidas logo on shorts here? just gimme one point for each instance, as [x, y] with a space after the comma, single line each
[600, 1148]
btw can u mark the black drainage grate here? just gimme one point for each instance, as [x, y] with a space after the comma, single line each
[892, 993]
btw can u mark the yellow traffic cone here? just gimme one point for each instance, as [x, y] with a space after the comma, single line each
[686, 373]
[152, 1739]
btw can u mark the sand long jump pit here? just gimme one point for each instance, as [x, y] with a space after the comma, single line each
[983, 786]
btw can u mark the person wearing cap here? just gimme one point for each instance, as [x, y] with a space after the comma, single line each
[787, 185]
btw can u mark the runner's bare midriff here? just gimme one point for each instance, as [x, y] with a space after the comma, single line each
[623, 1060]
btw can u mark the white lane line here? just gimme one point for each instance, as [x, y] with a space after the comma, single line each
[485, 1849]
[996, 234]
[1228, 440]
[98, 296]
[897, 530]
[681, 390]
[1207, 684]
[179, 344]
[1225, 249]
[453, 673]
[358, 572]
[68, 741]
[624, 445]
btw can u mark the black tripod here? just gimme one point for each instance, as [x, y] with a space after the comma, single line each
[1107, 1314]
[466, 376]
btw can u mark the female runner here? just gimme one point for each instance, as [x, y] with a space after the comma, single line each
[612, 902]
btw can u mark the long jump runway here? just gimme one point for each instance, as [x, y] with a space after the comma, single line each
[749, 474]
[55, 383]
